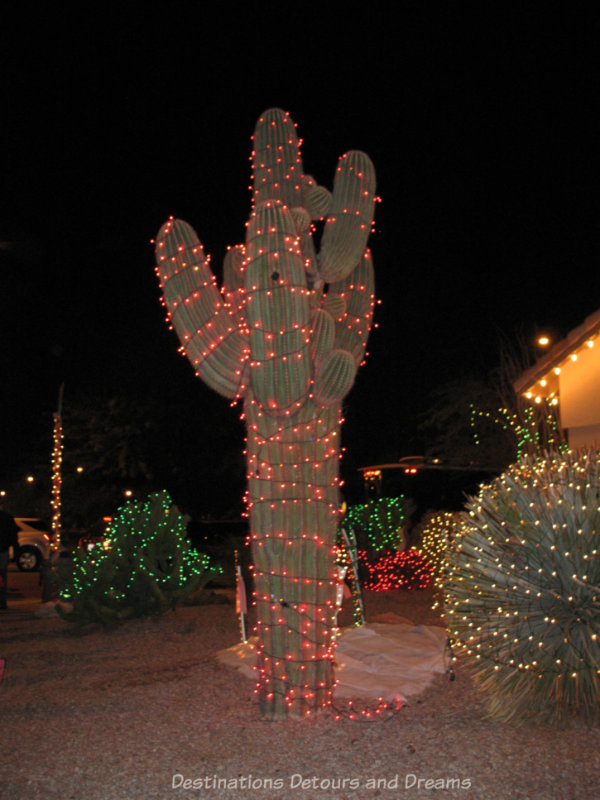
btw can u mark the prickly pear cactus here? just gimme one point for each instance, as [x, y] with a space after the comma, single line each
[286, 334]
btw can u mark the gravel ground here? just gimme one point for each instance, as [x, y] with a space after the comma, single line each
[146, 712]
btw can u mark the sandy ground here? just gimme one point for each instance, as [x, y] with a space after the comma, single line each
[146, 712]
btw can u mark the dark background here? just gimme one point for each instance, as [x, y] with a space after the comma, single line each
[482, 124]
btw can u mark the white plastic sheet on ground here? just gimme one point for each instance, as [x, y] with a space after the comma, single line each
[389, 658]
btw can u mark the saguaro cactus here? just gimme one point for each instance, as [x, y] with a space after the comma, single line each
[286, 334]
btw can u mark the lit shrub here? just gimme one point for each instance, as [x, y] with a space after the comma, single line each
[406, 569]
[413, 570]
[435, 532]
[148, 568]
[523, 590]
[378, 524]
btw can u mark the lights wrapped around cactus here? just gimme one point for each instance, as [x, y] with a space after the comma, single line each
[523, 590]
[286, 334]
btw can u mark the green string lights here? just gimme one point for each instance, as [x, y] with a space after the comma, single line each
[147, 567]
[378, 524]
[535, 429]
[378, 530]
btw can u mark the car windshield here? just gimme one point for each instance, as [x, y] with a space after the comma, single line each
[36, 524]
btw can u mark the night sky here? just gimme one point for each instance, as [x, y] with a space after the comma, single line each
[482, 125]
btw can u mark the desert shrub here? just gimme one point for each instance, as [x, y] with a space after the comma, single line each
[148, 568]
[413, 570]
[378, 524]
[377, 529]
[435, 532]
[523, 590]
[405, 569]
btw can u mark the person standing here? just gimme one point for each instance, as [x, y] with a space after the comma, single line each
[8, 538]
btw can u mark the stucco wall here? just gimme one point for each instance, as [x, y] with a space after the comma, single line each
[580, 391]
[588, 436]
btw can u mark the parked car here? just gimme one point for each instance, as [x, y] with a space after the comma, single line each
[34, 543]
[96, 537]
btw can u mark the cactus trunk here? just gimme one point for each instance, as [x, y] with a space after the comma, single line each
[287, 334]
[293, 504]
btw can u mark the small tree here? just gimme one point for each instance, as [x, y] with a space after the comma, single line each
[435, 532]
[147, 568]
[378, 525]
[485, 423]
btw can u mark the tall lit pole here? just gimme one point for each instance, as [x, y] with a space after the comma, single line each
[48, 579]
[57, 451]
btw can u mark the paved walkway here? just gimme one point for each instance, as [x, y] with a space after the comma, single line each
[24, 607]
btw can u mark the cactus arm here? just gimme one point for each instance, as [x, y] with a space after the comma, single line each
[309, 255]
[316, 199]
[323, 334]
[234, 283]
[206, 327]
[339, 332]
[349, 224]
[334, 377]
[335, 368]
[317, 202]
[276, 161]
[351, 302]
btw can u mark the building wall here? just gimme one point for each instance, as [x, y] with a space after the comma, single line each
[580, 393]
[586, 436]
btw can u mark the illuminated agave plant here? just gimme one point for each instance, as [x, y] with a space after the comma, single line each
[286, 334]
[523, 592]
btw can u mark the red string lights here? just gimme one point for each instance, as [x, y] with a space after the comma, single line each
[286, 333]
[406, 569]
